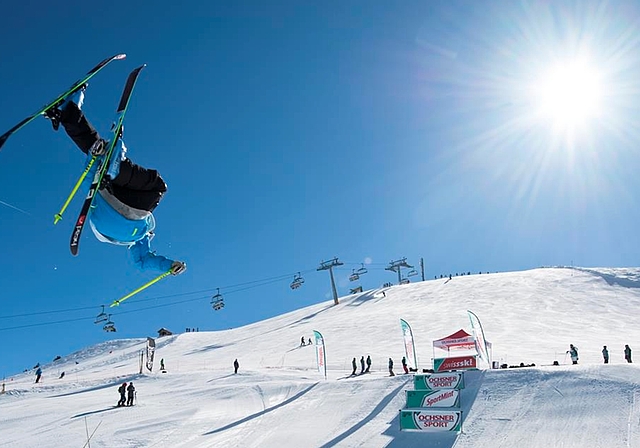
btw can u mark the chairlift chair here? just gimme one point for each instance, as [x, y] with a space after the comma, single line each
[217, 302]
[405, 281]
[297, 281]
[109, 327]
[101, 317]
[412, 272]
[354, 276]
[362, 270]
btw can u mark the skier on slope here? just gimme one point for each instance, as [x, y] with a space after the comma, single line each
[122, 389]
[573, 352]
[130, 394]
[122, 209]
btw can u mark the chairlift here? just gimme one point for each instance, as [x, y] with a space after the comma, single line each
[297, 281]
[412, 272]
[405, 281]
[361, 270]
[109, 327]
[101, 317]
[354, 276]
[217, 301]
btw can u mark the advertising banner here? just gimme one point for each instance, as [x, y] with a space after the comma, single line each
[321, 355]
[430, 420]
[455, 363]
[437, 381]
[409, 345]
[445, 398]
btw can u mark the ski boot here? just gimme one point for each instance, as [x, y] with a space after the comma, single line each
[55, 113]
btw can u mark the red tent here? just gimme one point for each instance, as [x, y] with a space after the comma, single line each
[458, 340]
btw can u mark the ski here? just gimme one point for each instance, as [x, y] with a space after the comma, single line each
[102, 168]
[74, 87]
[143, 287]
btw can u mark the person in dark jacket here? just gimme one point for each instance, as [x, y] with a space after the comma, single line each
[404, 365]
[236, 366]
[362, 365]
[38, 374]
[123, 390]
[122, 209]
[605, 354]
[573, 352]
[391, 367]
[354, 365]
[627, 353]
[368, 364]
[130, 394]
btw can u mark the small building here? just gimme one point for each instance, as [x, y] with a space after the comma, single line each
[164, 332]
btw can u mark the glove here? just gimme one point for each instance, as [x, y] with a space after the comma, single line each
[98, 148]
[178, 267]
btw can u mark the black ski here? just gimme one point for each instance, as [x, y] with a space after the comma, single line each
[102, 168]
[74, 87]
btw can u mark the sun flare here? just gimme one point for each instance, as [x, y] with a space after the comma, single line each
[569, 94]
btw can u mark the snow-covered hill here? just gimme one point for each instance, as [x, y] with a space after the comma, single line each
[278, 399]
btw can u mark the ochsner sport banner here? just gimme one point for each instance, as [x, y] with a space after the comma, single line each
[409, 345]
[151, 348]
[478, 334]
[321, 354]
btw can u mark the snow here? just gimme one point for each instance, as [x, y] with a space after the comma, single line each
[279, 399]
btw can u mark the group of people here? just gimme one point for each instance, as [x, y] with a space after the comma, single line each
[627, 354]
[130, 394]
[303, 343]
[573, 352]
[354, 364]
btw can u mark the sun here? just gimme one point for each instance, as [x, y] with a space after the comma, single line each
[569, 94]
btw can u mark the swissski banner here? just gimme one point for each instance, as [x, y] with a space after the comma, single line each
[456, 363]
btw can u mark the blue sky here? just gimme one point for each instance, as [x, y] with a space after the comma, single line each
[293, 132]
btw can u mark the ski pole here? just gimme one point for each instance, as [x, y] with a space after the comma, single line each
[58, 216]
[143, 287]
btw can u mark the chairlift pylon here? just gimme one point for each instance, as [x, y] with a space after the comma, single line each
[101, 317]
[297, 281]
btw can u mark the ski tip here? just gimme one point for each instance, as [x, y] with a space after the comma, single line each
[3, 139]
[120, 56]
[115, 303]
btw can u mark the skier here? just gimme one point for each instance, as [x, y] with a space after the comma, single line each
[362, 365]
[302, 343]
[38, 374]
[122, 209]
[236, 366]
[122, 389]
[391, 367]
[627, 353]
[162, 365]
[368, 364]
[355, 366]
[573, 352]
[130, 394]
[404, 364]
[605, 354]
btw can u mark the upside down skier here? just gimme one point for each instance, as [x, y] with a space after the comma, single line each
[122, 211]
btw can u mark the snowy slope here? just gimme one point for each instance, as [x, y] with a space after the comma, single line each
[278, 399]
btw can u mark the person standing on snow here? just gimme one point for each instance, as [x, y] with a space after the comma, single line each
[354, 365]
[122, 389]
[236, 366]
[368, 364]
[38, 374]
[573, 352]
[605, 354]
[130, 394]
[404, 364]
[627, 353]
[122, 209]
[361, 365]
[391, 367]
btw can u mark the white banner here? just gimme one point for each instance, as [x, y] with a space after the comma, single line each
[151, 348]
[321, 354]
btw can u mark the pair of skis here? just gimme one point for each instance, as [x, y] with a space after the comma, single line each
[116, 132]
